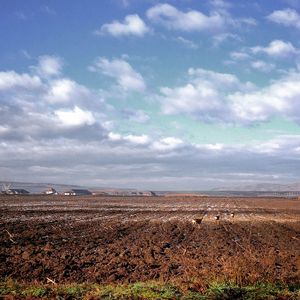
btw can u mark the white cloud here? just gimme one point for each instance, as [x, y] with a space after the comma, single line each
[40, 107]
[132, 25]
[204, 96]
[262, 66]
[287, 17]
[61, 91]
[212, 147]
[134, 139]
[217, 21]
[236, 55]
[172, 18]
[187, 43]
[277, 49]
[164, 144]
[11, 80]
[224, 80]
[278, 99]
[212, 96]
[75, 117]
[189, 99]
[167, 144]
[279, 145]
[114, 136]
[122, 71]
[49, 65]
[65, 90]
[137, 139]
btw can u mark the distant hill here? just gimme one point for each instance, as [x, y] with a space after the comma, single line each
[37, 188]
[262, 187]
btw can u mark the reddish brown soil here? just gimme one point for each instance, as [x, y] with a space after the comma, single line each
[118, 239]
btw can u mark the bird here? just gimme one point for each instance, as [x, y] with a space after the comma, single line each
[197, 221]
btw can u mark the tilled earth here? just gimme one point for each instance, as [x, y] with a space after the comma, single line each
[129, 239]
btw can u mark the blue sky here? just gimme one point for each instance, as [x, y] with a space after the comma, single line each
[179, 94]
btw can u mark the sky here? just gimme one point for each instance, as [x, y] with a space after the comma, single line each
[161, 95]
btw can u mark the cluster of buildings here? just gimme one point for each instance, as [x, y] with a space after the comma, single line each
[15, 192]
[79, 192]
[49, 191]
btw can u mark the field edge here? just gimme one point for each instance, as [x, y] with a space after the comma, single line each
[151, 290]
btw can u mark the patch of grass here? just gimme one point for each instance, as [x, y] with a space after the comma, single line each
[149, 291]
[75, 291]
[193, 296]
[138, 290]
[224, 291]
[263, 291]
[34, 291]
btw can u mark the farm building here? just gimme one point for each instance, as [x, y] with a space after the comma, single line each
[99, 193]
[16, 192]
[77, 192]
[147, 194]
[50, 191]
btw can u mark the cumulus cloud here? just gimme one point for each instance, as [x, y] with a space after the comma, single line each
[121, 71]
[65, 90]
[277, 49]
[35, 105]
[174, 19]
[158, 144]
[133, 139]
[132, 25]
[137, 139]
[286, 17]
[219, 19]
[49, 65]
[204, 96]
[168, 144]
[61, 90]
[280, 98]
[262, 66]
[223, 98]
[75, 117]
[11, 80]
[190, 99]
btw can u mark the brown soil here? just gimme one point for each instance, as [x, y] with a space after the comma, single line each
[121, 240]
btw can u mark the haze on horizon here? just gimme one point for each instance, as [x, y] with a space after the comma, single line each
[162, 95]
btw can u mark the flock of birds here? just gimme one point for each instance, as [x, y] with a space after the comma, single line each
[216, 217]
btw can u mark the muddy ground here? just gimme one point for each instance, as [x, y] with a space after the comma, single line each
[129, 239]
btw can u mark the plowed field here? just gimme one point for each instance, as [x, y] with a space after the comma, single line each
[129, 239]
